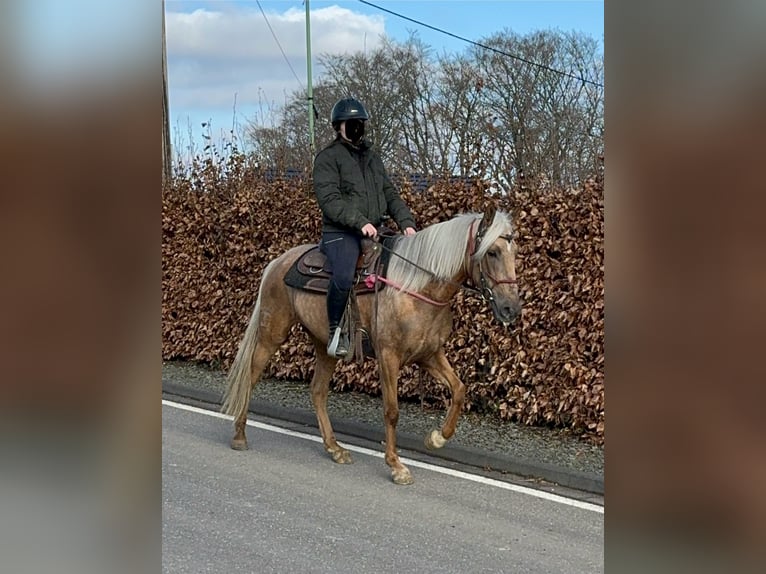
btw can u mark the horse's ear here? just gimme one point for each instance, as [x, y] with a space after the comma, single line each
[489, 216]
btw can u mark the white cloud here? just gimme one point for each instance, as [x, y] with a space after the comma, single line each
[213, 55]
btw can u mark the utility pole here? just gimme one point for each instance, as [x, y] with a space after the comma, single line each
[166, 151]
[310, 90]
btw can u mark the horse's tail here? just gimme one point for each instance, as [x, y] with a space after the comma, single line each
[238, 383]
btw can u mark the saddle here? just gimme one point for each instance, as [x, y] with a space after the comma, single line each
[311, 273]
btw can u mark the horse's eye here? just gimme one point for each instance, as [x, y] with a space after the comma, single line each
[492, 253]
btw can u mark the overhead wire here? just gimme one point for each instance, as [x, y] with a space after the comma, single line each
[484, 46]
[277, 41]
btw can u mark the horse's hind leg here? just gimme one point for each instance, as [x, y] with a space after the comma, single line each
[320, 389]
[268, 328]
[263, 352]
[442, 371]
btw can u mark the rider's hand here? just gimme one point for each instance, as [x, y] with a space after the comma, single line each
[369, 230]
[409, 231]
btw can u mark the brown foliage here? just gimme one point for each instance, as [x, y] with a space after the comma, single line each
[219, 233]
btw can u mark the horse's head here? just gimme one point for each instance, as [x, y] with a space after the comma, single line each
[493, 265]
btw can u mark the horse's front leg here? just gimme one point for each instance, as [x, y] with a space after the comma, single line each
[320, 388]
[389, 374]
[442, 371]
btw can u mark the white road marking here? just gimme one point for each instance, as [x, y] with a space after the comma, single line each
[416, 463]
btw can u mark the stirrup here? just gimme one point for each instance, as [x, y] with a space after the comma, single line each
[334, 348]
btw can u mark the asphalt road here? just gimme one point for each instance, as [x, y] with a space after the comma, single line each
[284, 507]
[481, 440]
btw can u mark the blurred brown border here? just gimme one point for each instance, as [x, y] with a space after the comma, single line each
[80, 298]
[79, 233]
[685, 280]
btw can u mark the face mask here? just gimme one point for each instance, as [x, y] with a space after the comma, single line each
[354, 130]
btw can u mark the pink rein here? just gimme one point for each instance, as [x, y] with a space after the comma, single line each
[370, 281]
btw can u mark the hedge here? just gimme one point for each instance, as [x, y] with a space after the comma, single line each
[220, 227]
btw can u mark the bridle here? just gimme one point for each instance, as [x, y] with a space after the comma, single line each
[485, 290]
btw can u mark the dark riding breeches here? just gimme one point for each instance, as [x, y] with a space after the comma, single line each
[342, 252]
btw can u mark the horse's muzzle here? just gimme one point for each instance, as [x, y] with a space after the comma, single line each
[507, 312]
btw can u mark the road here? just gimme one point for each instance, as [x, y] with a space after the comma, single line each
[284, 507]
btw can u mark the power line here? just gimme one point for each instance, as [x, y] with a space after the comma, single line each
[496, 50]
[277, 41]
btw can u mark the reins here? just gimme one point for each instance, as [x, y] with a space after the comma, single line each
[428, 272]
[485, 292]
[370, 280]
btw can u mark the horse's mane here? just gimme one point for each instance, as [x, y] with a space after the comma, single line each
[441, 249]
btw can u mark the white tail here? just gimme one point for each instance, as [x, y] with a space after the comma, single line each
[238, 383]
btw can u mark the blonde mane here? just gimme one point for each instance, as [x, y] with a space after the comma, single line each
[441, 250]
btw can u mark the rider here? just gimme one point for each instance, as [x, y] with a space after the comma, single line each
[354, 193]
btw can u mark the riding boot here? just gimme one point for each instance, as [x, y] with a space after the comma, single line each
[338, 343]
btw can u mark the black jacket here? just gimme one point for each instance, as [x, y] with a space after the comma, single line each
[353, 189]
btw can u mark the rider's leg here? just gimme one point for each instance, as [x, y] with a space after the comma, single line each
[342, 251]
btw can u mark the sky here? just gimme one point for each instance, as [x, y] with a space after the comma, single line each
[225, 65]
[51, 40]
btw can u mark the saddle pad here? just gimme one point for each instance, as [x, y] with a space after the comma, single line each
[310, 271]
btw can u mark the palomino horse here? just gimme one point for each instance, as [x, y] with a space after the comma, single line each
[408, 322]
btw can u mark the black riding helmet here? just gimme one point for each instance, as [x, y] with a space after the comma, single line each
[347, 109]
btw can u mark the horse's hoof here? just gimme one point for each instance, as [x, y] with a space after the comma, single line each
[341, 456]
[435, 440]
[238, 444]
[402, 476]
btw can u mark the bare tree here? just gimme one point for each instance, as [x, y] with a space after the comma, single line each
[530, 108]
[544, 119]
[283, 142]
[462, 115]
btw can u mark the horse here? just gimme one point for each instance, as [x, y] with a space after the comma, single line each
[408, 321]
